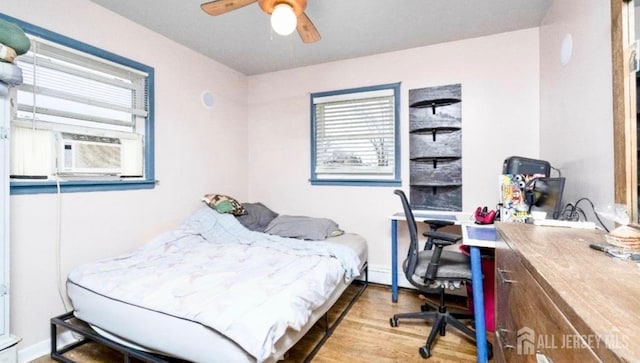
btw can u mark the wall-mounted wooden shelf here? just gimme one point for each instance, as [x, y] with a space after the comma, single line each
[435, 103]
[433, 131]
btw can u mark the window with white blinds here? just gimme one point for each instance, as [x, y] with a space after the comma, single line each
[82, 119]
[355, 136]
[65, 86]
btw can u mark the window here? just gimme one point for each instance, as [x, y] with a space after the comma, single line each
[355, 138]
[82, 119]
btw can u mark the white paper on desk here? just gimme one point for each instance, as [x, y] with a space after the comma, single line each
[479, 235]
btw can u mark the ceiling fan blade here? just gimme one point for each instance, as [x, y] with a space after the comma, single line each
[307, 30]
[218, 7]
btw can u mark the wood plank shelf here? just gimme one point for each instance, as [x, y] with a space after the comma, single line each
[435, 103]
[433, 131]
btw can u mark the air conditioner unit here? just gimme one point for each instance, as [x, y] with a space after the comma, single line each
[87, 154]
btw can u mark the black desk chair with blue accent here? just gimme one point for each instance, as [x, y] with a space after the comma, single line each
[433, 271]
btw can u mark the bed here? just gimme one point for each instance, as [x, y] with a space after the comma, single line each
[212, 290]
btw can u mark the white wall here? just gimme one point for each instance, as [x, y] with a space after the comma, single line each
[576, 107]
[499, 76]
[197, 151]
[636, 19]
[517, 100]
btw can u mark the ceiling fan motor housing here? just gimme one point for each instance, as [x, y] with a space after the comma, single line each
[298, 6]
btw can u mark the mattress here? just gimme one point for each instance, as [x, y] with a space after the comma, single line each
[187, 339]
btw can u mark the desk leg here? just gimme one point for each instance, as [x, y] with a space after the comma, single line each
[394, 260]
[478, 304]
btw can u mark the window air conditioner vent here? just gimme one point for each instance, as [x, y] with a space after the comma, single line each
[87, 154]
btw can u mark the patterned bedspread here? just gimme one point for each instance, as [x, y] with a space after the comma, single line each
[246, 285]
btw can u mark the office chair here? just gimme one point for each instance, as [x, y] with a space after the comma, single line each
[433, 271]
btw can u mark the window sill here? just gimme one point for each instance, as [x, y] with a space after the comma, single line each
[357, 182]
[75, 186]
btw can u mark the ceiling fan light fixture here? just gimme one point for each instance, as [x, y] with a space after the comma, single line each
[283, 19]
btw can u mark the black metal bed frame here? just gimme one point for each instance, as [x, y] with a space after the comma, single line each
[79, 327]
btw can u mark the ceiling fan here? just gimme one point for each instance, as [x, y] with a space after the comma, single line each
[286, 15]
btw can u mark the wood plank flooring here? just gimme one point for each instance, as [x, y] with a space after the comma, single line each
[364, 335]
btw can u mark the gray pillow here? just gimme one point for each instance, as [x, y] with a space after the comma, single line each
[257, 217]
[303, 227]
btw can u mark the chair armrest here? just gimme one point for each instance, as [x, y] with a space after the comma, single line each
[438, 223]
[434, 225]
[442, 238]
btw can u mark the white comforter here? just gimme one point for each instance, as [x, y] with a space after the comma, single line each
[246, 285]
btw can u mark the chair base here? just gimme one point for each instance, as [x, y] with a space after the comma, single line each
[453, 303]
[441, 319]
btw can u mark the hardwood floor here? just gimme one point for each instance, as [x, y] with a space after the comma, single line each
[364, 335]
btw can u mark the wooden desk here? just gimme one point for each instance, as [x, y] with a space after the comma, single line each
[559, 298]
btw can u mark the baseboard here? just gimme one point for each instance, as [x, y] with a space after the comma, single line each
[34, 351]
[382, 275]
[43, 348]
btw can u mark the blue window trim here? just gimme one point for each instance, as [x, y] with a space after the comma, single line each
[49, 186]
[355, 181]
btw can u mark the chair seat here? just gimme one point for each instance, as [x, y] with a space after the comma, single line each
[453, 266]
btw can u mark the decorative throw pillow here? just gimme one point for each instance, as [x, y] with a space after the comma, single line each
[258, 216]
[224, 204]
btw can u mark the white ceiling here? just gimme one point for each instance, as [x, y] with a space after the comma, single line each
[243, 40]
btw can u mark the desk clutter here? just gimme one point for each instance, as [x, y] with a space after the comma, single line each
[523, 196]
[625, 237]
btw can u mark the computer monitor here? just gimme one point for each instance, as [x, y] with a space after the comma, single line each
[547, 196]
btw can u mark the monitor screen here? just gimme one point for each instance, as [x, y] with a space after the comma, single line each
[547, 196]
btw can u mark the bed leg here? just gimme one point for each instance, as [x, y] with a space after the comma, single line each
[77, 326]
[330, 328]
[57, 354]
[326, 323]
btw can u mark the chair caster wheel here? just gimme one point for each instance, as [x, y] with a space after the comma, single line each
[393, 322]
[425, 352]
[489, 350]
[425, 308]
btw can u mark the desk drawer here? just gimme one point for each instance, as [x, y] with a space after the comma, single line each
[529, 325]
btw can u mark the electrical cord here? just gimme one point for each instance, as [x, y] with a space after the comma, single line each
[558, 171]
[58, 247]
[59, 244]
[572, 212]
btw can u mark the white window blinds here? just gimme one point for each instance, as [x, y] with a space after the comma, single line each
[66, 86]
[355, 134]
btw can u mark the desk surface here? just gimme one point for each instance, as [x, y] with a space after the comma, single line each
[422, 215]
[599, 294]
[459, 218]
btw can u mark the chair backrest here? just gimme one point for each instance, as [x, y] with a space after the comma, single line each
[414, 246]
